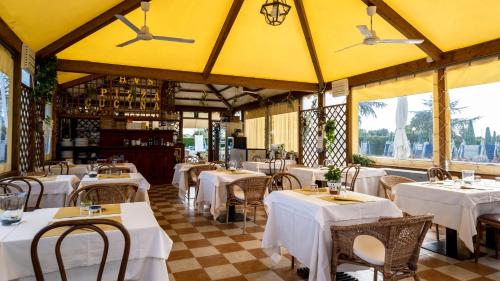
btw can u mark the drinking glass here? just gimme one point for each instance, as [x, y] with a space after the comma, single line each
[12, 207]
[467, 176]
[84, 207]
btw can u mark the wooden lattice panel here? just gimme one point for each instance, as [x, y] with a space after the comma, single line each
[308, 135]
[26, 130]
[215, 140]
[39, 153]
[337, 154]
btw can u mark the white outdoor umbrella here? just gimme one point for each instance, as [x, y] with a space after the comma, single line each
[401, 144]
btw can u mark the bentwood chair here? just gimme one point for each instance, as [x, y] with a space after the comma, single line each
[257, 158]
[193, 178]
[439, 173]
[246, 192]
[104, 193]
[276, 165]
[9, 174]
[391, 246]
[350, 175]
[283, 181]
[60, 167]
[105, 169]
[70, 226]
[28, 181]
[492, 220]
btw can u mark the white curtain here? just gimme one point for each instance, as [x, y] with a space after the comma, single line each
[401, 144]
[285, 130]
[255, 130]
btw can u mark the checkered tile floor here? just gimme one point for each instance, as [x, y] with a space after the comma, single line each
[207, 250]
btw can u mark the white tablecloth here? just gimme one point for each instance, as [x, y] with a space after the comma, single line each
[150, 247]
[180, 177]
[264, 167]
[56, 190]
[213, 188]
[302, 223]
[81, 170]
[142, 192]
[451, 206]
[368, 181]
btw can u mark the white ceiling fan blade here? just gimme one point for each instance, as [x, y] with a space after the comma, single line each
[128, 42]
[173, 39]
[128, 23]
[365, 31]
[401, 41]
[348, 47]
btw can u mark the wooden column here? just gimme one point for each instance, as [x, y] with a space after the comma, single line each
[210, 142]
[349, 114]
[443, 126]
[301, 153]
[319, 129]
[267, 128]
[16, 114]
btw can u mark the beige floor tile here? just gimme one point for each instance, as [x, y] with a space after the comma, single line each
[283, 262]
[204, 251]
[239, 256]
[253, 244]
[206, 228]
[457, 272]
[191, 236]
[263, 275]
[179, 246]
[183, 265]
[220, 240]
[222, 271]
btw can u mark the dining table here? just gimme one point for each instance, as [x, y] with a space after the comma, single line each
[300, 221]
[80, 170]
[136, 178]
[262, 166]
[180, 179]
[368, 180]
[56, 189]
[455, 204]
[212, 190]
[81, 252]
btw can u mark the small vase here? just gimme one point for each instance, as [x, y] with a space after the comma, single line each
[333, 187]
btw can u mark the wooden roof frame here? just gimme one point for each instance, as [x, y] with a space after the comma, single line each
[405, 28]
[219, 95]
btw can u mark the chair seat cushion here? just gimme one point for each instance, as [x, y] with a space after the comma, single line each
[238, 193]
[493, 218]
[369, 249]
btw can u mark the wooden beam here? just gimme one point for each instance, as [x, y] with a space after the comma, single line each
[199, 108]
[463, 55]
[221, 39]
[225, 88]
[195, 91]
[403, 26]
[9, 38]
[245, 94]
[88, 28]
[299, 6]
[195, 99]
[219, 95]
[182, 76]
[273, 99]
[80, 80]
[443, 112]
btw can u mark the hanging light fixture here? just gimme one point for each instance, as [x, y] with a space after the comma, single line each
[275, 11]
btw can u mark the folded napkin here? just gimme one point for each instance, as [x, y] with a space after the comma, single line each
[343, 200]
[311, 191]
[60, 230]
[74, 212]
[113, 176]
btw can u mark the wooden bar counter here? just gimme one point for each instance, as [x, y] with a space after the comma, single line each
[155, 161]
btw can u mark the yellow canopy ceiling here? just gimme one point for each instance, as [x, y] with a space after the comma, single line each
[253, 48]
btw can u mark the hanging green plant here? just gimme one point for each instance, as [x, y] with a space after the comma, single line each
[330, 133]
[45, 79]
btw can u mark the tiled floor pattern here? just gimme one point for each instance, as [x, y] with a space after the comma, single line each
[207, 250]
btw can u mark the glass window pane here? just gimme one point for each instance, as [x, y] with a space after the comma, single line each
[310, 102]
[26, 78]
[188, 114]
[397, 127]
[203, 115]
[47, 129]
[4, 116]
[475, 123]
[216, 116]
[331, 100]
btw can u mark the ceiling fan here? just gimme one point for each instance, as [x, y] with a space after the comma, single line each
[143, 32]
[371, 38]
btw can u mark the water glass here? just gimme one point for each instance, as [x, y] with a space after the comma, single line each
[84, 207]
[467, 176]
[12, 207]
[314, 187]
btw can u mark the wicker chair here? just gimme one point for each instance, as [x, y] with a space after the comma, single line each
[70, 226]
[190, 159]
[105, 169]
[193, 175]
[28, 181]
[106, 193]
[248, 191]
[275, 166]
[391, 245]
[279, 180]
[439, 173]
[52, 166]
[492, 220]
[350, 182]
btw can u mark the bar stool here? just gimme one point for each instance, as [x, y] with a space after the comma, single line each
[492, 220]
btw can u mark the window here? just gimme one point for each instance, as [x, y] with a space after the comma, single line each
[47, 130]
[396, 118]
[474, 98]
[6, 74]
[255, 128]
[284, 125]
[310, 102]
[330, 100]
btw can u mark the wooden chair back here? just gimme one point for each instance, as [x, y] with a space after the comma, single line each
[254, 188]
[104, 193]
[71, 226]
[57, 167]
[282, 181]
[9, 174]
[350, 182]
[104, 169]
[388, 182]
[195, 171]
[276, 165]
[439, 173]
[28, 181]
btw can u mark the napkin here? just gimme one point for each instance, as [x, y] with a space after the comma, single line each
[60, 230]
[113, 176]
[74, 212]
[311, 191]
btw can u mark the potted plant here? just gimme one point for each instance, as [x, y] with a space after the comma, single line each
[330, 134]
[333, 177]
[362, 160]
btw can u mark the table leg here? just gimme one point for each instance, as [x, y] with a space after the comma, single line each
[451, 243]
[233, 216]
[449, 247]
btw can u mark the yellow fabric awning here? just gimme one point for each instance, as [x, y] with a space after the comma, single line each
[478, 72]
